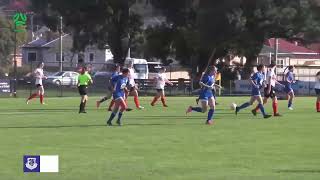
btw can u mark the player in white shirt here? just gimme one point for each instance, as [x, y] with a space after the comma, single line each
[269, 91]
[317, 89]
[38, 74]
[161, 81]
[133, 90]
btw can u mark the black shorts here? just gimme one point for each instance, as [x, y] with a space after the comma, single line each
[317, 92]
[160, 90]
[38, 85]
[82, 90]
[272, 93]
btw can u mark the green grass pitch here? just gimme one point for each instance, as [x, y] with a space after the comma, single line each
[160, 144]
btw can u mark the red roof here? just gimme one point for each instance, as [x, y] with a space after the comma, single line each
[296, 51]
[289, 46]
[18, 5]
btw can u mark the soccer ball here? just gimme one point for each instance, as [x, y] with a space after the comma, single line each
[233, 106]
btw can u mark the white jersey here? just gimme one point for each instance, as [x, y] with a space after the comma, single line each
[271, 78]
[131, 77]
[38, 75]
[161, 80]
[317, 85]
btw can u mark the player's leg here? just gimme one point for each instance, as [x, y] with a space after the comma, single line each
[123, 107]
[290, 99]
[256, 109]
[135, 94]
[245, 105]
[114, 112]
[318, 100]
[202, 109]
[156, 97]
[41, 94]
[260, 101]
[275, 106]
[211, 103]
[85, 103]
[163, 98]
[32, 96]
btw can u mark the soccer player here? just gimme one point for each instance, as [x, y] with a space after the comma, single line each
[83, 81]
[257, 83]
[112, 82]
[206, 94]
[119, 97]
[38, 73]
[269, 91]
[317, 89]
[161, 81]
[289, 79]
[132, 86]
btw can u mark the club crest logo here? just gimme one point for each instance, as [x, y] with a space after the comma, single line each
[31, 163]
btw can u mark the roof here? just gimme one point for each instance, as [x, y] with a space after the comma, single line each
[293, 49]
[35, 43]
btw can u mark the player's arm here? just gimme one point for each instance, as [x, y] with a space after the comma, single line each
[168, 82]
[269, 84]
[218, 86]
[252, 81]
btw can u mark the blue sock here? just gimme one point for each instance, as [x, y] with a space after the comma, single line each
[197, 109]
[243, 106]
[262, 109]
[112, 117]
[289, 103]
[119, 116]
[210, 114]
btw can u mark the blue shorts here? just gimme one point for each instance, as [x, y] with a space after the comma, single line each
[117, 95]
[288, 89]
[206, 96]
[255, 92]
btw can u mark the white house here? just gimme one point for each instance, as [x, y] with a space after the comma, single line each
[48, 52]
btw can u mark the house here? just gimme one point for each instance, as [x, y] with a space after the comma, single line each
[48, 52]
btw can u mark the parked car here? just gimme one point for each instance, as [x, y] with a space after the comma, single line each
[101, 79]
[64, 78]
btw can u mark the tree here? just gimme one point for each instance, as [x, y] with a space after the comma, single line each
[99, 22]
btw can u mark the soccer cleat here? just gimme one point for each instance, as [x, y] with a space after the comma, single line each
[129, 109]
[109, 123]
[237, 110]
[277, 115]
[119, 123]
[189, 110]
[98, 104]
[210, 122]
[140, 107]
[267, 116]
[165, 105]
[152, 104]
[254, 112]
[197, 101]
[109, 109]
[27, 102]
[290, 108]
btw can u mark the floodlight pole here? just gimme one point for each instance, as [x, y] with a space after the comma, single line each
[276, 49]
[15, 61]
[60, 45]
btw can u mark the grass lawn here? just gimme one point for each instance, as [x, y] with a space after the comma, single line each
[160, 144]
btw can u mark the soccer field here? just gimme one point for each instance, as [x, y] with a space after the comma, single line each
[160, 143]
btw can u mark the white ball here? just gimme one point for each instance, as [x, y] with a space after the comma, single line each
[233, 106]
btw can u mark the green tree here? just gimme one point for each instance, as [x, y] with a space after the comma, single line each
[94, 22]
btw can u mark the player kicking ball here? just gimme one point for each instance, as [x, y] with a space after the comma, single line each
[38, 73]
[161, 81]
[119, 97]
[83, 81]
[257, 83]
[269, 91]
[206, 95]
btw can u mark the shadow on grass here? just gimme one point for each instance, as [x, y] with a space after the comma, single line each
[298, 171]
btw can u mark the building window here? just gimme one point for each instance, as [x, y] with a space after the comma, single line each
[80, 58]
[32, 56]
[91, 57]
[58, 57]
[280, 63]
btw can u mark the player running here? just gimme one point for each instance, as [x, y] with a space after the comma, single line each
[289, 79]
[38, 74]
[269, 91]
[206, 94]
[119, 97]
[317, 89]
[257, 83]
[132, 86]
[83, 81]
[112, 82]
[161, 81]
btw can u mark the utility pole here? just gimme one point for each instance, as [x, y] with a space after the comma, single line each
[60, 44]
[276, 49]
[15, 62]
